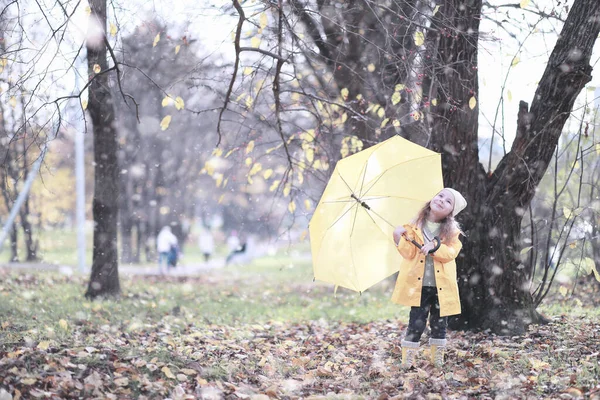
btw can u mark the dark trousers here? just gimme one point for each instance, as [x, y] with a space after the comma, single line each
[430, 305]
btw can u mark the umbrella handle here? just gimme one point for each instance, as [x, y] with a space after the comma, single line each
[437, 246]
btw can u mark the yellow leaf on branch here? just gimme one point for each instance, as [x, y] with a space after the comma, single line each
[113, 30]
[419, 38]
[472, 102]
[255, 169]
[250, 147]
[255, 42]
[274, 186]
[307, 204]
[264, 20]
[292, 207]
[166, 121]
[268, 173]
[345, 92]
[179, 104]
[97, 68]
[156, 40]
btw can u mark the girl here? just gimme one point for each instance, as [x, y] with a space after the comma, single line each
[427, 278]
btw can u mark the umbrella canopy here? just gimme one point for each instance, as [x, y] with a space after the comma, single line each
[368, 194]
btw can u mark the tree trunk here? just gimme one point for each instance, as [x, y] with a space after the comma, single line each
[14, 247]
[30, 244]
[104, 280]
[494, 286]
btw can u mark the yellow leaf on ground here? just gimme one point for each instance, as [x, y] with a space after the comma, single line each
[63, 324]
[122, 382]
[167, 372]
[166, 121]
[43, 345]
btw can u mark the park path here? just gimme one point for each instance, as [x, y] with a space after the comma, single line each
[184, 269]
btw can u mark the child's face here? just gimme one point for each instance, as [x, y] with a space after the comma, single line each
[442, 205]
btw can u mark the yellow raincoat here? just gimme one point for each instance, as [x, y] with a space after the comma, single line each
[410, 278]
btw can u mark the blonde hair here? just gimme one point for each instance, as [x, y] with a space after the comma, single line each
[449, 227]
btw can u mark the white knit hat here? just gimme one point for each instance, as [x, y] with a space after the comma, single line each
[459, 201]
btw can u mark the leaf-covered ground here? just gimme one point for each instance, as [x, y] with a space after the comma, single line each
[171, 339]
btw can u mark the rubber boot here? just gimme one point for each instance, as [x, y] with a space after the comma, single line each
[438, 348]
[409, 354]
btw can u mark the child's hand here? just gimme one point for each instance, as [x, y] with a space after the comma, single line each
[425, 249]
[398, 232]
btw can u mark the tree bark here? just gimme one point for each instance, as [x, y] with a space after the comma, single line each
[104, 280]
[494, 286]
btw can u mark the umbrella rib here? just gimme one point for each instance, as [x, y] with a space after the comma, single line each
[352, 252]
[337, 201]
[364, 175]
[340, 217]
[395, 165]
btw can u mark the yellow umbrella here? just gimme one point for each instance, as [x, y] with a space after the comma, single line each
[367, 196]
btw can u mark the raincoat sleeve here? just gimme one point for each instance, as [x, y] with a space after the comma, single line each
[406, 248]
[448, 251]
